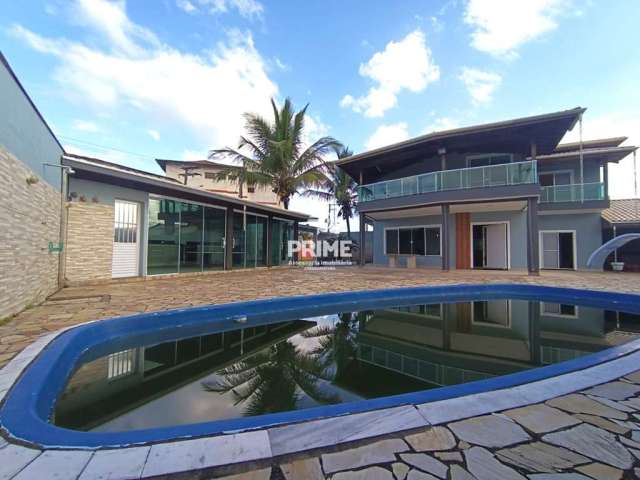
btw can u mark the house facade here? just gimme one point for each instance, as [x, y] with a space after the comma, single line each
[124, 222]
[202, 174]
[503, 195]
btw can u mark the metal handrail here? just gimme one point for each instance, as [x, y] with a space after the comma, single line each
[572, 192]
[437, 180]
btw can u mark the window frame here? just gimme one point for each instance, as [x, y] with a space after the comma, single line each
[575, 314]
[412, 227]
[487, 155]
[554, 172]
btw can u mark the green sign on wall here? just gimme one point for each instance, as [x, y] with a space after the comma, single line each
[55, 247]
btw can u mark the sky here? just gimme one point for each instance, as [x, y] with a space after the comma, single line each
[133, 81]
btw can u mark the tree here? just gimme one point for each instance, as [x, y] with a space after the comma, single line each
[339, 187]
[273, 153]
[271, 380]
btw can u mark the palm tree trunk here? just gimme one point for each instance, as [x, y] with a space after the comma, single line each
[285, 202]
[348, 228]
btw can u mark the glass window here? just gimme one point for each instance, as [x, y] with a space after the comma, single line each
[418, 241]
[191, 237]
[163, 235]
[391, 237]
[214, 238]
[405, 241]
[238, 254]
[261, 241]
[250, 244]
[490, 159]
[432, 237]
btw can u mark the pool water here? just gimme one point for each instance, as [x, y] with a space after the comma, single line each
[295, 364]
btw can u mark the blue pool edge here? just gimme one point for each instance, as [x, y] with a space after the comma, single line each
[27, 405]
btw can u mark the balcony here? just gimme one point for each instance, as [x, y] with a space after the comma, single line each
[503, 175]
[576, 192]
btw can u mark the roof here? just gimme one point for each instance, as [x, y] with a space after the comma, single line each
[515, 135]
[596, 143]
[104, 170]
[609, 154]
[5, 62]
[623, 211]
[191, 163]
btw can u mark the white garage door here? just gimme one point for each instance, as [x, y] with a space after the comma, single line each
[125, 240]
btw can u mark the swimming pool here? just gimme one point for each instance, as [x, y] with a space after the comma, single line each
[207, 370]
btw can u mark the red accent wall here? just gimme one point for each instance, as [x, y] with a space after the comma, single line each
[463, 240]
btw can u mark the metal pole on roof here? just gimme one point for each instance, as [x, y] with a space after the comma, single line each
[581, 163]
[635, 177]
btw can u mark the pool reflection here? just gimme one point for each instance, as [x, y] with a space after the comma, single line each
[330, 359]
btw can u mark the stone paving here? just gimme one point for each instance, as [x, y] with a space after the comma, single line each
[544, 441]
[592, 433]
[74, 305]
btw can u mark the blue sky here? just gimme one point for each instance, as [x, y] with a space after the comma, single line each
[133, 81]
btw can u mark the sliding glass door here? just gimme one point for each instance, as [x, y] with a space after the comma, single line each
[281, 233]
[163, 237]
[249, 240]
[213, 239]
[184, 237]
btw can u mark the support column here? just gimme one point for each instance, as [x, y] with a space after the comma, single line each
[533, 250]
[228, 240]
[445, 237]
[363, 236]
[443, 158]
[269, 240]
[295, 238]
[605, 179]
[534, 332]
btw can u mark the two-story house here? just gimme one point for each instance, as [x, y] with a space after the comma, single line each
[203, 174]
[495, 196]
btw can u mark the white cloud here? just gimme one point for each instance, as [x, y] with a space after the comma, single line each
[251, 9]
[403, 65]
[500, 27]
[207, 93]
[440, 124]
[85, 126]
[281, 65]
[194, 154]
[154, 134]
[387, 134]
[608, 125]
[480, 84]
[186, 6]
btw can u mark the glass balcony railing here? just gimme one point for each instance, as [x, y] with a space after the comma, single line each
[575, 192]
[460, 179]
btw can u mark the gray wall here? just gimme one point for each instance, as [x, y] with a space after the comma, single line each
[23, 133]
[591, 168]
[588, 227]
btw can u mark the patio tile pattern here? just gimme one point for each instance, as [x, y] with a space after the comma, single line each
[75, 305]
[593, 433]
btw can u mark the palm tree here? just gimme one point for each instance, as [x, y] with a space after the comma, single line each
[339, 186]
[270, 380]
[337, 343]
[274, 154]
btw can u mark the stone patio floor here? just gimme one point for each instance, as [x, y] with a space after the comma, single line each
[590, 434]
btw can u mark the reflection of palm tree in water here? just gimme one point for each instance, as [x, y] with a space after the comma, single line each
[337, 343]
[270, 380]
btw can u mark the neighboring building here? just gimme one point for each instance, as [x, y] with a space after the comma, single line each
[30, 184]
[202, 174]
[623, 216]
[496, 196]
[124, 222]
